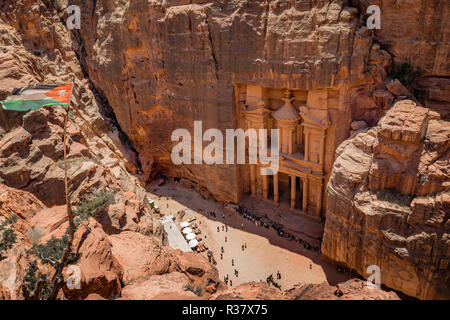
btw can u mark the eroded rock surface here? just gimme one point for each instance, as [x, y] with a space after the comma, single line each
[354, 289]
[250, 291]
[389, 202]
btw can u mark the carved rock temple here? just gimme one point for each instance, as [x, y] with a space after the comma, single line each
[303, 132]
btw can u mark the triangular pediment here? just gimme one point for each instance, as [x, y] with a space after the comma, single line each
[259, 111]
[315, 118]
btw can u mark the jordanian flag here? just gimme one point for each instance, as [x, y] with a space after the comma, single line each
[37, 96]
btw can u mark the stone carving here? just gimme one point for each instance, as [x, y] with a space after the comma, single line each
[302, 137]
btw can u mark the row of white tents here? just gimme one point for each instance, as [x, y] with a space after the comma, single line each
[189, 234]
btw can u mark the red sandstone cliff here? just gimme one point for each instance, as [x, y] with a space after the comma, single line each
[389, 202]
[171, 62]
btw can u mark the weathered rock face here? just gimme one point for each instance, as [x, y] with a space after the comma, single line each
[354, 289]
[32, 160]
[415, 31]
[250, 291]
[13, 266]
[141, 256]
[169, 63]
[199, 271]
[4, 294]
[126, 258]
[389, 202]
[100, 271]
[170, 286]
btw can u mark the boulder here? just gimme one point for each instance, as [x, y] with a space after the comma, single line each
[127, 213]
[250, 291]
[140, 256]
[170, 286]
[15, 141]
[101, 273]
[358, 125]
[199, 270]
[354, 289]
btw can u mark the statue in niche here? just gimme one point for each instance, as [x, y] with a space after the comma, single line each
[314, 157]
[312, 203]
[314, 151]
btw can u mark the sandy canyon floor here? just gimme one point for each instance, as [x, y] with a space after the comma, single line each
[266, 253]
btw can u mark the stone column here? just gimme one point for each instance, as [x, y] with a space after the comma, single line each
[305, 195]
[300, 138]
[293, 191]
[290, 142]
[322, 148]
[265, 186]
[307, 133]
[275, 188]
[319, 204]
[253, 179]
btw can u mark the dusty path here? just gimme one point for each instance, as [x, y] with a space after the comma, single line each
[266, 253]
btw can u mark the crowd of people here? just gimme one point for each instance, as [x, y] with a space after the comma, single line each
[263, 222]
[266, 223]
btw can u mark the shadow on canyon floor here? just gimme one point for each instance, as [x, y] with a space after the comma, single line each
[192, 200]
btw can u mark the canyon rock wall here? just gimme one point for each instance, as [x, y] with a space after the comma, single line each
[36, 46]
[415, 31]
[169, 63]
[172, 62]
[389, 202]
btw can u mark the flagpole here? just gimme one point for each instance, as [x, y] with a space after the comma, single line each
[57, 277]
[66, 184]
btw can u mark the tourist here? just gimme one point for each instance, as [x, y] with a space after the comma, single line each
[210, 255]
[310, 265]
[218, 229]
[232, 262]
[221, 249]
[226, 239]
